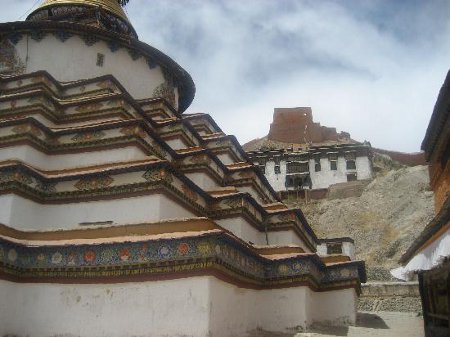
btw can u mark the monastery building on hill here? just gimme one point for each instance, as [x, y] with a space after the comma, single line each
[299, 154]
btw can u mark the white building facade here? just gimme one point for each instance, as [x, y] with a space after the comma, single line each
[316, 167]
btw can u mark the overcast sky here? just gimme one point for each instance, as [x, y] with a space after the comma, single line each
[371, 68]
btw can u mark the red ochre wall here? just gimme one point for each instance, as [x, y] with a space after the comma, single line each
[409, 159]
[295, 125]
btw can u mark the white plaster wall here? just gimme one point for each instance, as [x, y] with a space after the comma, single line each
[364, 168]
[195, 306]
[326, 176]
[73, 60]
[225, 158]
[243, 230]
[348, 249]
[40, 160]
[252, 192]
[284, 309]
[233, 310]
[176, 143]
[321, 249]
[203, 180]
[286, 237]
[337, 307]
[158, 309]
[276, 180]
[24, 214]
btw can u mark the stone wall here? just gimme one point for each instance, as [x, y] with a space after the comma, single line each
[390, 296]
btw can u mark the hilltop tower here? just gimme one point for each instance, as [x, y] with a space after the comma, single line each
[120, 215]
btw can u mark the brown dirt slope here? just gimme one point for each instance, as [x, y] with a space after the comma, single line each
[383, 221]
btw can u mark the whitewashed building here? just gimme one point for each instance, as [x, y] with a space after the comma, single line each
[314, 167]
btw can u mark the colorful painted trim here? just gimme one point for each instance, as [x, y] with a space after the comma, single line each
[91, 263]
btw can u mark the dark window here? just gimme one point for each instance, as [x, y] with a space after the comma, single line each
[277, 170]
[333, 165]
[334, 248]
[351, 165]
[262, 168]
[289, 182]
[317, 167]
[100, 59]
[297, 167]
[351, 177]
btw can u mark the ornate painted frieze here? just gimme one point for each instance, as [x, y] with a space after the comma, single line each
[89, 107]
[88, 136]
[27, 128]
[10, 175]
[166, 256]
[154, 175]
[92, 183]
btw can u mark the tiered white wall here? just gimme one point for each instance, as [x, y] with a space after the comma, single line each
[24, 214]
[203, 180]
[202, 307]
[40, 160]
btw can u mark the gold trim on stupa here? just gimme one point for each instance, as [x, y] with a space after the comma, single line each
[109, 5]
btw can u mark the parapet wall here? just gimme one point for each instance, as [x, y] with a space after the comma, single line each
[295, 125]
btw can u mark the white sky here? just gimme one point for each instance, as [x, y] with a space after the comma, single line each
[372, 68]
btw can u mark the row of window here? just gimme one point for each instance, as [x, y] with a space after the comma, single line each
[305, 181]
[303, 167]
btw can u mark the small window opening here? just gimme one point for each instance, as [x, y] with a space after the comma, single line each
[317, 167]
[334, 248]
[100, 59]
[352, 177]
[333, 165]
[277, 170]
[351, 165]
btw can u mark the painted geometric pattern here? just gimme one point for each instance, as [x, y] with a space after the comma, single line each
[52, 261]
[88, 136]
[94, 182]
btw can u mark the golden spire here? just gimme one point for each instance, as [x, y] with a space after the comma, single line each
[111, 6]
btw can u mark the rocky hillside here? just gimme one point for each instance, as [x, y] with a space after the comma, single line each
[384, 221]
